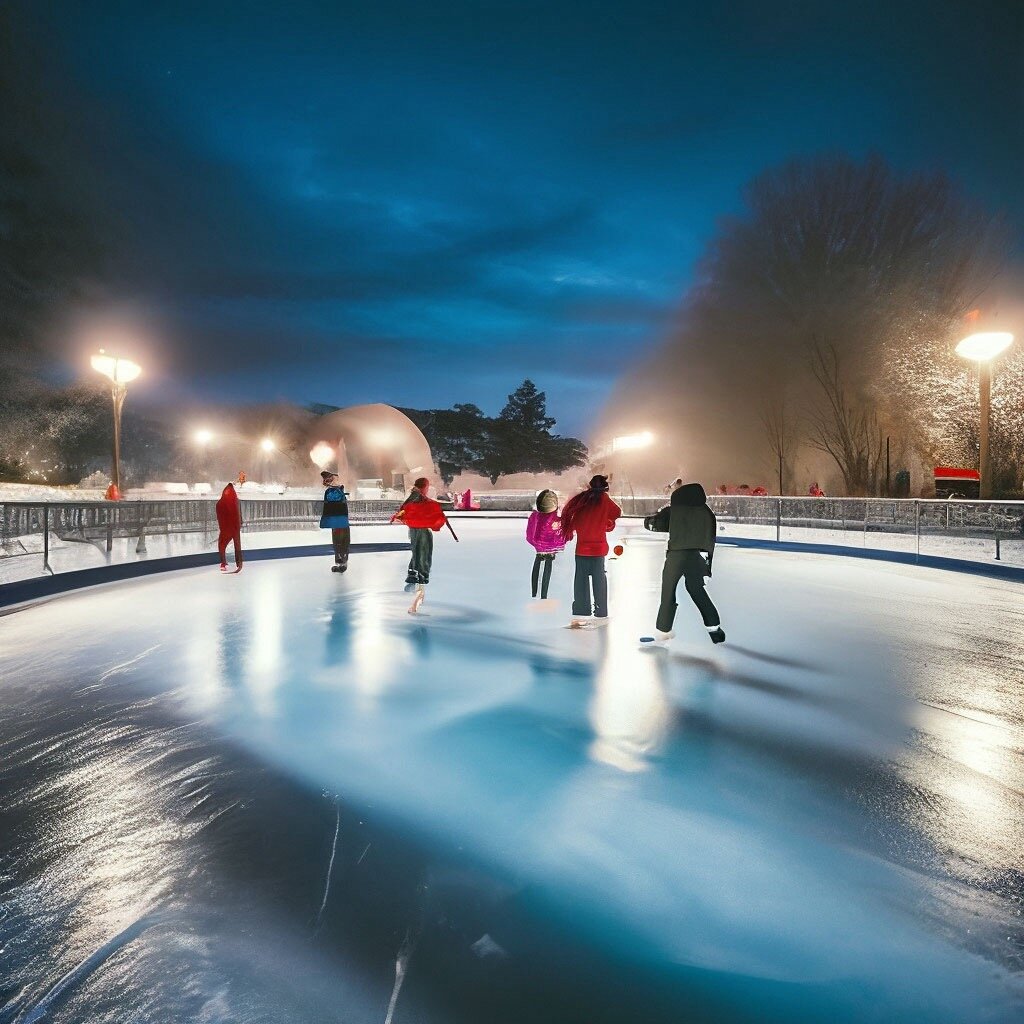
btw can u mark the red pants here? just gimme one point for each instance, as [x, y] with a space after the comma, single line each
[222, 545]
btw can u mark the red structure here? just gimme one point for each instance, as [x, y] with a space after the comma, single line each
[952, 481]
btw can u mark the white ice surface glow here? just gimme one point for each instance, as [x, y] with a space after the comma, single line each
[695, 799]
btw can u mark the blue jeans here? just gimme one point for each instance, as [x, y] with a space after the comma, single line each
[590, 572]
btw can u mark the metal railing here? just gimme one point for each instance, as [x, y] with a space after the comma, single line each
[33, 528]
[972, 529]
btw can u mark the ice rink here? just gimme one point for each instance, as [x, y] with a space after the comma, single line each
[276, 796]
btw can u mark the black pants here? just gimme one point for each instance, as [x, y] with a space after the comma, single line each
[422, 543]
[341, 538]
[548, 560]
[590, 570]
[691, 566]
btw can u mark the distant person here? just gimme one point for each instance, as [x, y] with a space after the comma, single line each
[465, 502]
[544, 534]
[669, 488]
[590, 517]
[424, 517]
[815, 491]
[229, 523]
[691, 527]
[334, 517]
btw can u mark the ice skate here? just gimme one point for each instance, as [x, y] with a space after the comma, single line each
[717, 635]
[579, 622]
[411, 582]
[338, 568]
[659, 637]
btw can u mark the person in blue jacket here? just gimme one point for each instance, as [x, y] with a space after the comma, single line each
[335, 518]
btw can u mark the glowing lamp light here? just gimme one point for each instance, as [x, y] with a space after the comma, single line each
[984, 346]
[268, 445]
[120, 371]
[322, 454]
[631, 441]
[204, 436]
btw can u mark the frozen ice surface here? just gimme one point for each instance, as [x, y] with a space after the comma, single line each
[821, 819]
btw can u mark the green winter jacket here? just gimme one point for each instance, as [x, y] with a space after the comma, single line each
[688, 521]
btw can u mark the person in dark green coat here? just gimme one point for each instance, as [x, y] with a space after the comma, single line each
[692, 528]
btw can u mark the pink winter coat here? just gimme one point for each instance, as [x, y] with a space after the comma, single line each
[543, 533]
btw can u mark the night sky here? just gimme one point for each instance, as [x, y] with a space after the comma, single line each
[423, 203]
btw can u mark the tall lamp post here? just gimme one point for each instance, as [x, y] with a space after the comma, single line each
[121, 373]
[982, 348]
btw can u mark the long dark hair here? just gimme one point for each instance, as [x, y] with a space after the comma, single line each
[581, 503]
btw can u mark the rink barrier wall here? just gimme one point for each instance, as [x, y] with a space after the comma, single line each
[994, 570]
[40, 587]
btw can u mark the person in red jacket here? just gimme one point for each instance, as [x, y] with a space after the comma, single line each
[590, 517]
[229, 519]
[424, 517]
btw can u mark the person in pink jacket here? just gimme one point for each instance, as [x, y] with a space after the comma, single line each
[544, 534]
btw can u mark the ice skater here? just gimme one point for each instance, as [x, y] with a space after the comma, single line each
[424, 517]
[229, 523]
[544, 533]
[334, 517]
[589, 517]
[691, 527]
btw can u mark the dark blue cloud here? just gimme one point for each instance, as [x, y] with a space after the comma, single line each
[422, 203]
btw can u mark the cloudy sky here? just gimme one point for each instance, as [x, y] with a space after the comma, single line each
[423, 203]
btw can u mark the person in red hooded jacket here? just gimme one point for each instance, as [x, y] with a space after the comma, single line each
[424, 517]
[229, 520]
[590, 517]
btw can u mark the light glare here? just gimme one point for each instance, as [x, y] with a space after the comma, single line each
[322, 454]
[985, 345]
[120, 371]
[628, 441]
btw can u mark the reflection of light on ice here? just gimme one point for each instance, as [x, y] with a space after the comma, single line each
[629, 711]
[264, 661]
[987, 810]
[374, 662]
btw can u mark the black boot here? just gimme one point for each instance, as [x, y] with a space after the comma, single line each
[717, 635]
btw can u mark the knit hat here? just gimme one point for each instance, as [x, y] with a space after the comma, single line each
[326, 475]
[547, 501]
[599, 483]
[421, 483]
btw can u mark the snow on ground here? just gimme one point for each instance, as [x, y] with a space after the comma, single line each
[820, 820]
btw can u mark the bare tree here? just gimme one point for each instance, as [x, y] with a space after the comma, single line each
[830, 282]
[780, 425]
[845, 426]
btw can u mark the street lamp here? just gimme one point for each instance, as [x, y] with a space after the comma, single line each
[204, 437]
[268, 445]
[121, 373]
[982, 348]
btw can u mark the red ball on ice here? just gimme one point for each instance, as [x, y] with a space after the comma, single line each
[618, 549]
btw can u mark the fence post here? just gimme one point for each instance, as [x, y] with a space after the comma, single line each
[46, 540]
[917, 528]
[778, 521]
